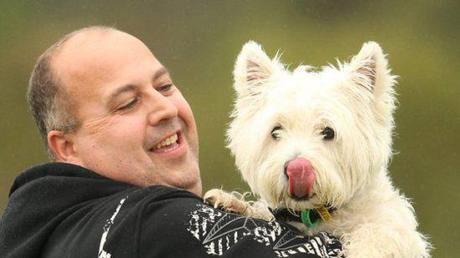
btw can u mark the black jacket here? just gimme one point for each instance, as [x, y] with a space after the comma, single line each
[62, 210]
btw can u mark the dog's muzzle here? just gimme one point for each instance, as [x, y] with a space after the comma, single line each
[301, 177]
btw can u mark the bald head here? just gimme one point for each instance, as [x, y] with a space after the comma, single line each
[49, 98]
[86, 49]
[93, 59]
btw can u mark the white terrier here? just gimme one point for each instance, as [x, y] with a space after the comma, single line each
[317, 144]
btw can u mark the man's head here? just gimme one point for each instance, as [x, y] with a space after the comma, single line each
[106, 103]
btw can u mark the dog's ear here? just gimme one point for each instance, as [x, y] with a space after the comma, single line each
[370, 70]
[253, 69]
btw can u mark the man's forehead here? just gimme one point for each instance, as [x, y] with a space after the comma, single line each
[93, 48]
[97, 56]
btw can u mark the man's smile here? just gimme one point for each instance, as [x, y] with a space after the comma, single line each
[171, 145]
[166, 143]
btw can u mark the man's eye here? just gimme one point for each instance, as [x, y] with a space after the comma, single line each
[165, 88]
[128, 105]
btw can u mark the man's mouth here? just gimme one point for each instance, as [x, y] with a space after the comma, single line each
[168, 144]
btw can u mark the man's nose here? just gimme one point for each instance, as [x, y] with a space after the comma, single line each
[161, 108]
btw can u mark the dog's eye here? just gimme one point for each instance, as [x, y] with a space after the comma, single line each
[276, 132]
[328, 133]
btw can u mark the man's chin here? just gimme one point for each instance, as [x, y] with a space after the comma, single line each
[189, 181]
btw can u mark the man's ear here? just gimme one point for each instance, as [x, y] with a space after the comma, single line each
[62, 146]
[253, 69]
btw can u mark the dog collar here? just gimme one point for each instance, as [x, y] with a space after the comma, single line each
[309, 218]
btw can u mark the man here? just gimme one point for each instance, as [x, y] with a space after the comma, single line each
[125, 144]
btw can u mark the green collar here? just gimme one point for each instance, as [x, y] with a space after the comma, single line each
[309, 218]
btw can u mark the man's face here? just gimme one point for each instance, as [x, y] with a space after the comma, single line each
[135, 126]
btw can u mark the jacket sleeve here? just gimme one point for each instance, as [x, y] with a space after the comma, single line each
[182, 226]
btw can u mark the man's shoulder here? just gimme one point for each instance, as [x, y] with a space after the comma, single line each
[59, 207]
[53, 173]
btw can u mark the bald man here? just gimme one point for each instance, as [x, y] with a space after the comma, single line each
[124, 180]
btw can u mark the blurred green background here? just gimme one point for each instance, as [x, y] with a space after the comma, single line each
[199, 40]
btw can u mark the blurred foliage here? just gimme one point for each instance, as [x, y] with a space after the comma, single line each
[199, 40]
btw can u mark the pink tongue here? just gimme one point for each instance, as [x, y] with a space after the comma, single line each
[301, 177]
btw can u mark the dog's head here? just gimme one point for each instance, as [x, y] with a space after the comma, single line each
[307, 138]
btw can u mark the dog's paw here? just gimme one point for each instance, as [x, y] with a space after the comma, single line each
[226, 201]
[234, 202]
[259, 210]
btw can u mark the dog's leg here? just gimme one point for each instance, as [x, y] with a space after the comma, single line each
[381, 241]
[234, 202]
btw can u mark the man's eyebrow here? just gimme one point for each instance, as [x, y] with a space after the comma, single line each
[160, 72]
[129, 87]
[121, 90]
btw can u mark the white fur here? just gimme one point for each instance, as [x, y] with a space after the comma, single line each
[357, 100]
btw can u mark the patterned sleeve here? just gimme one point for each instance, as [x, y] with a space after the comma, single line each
[185, 227]
[219, 231]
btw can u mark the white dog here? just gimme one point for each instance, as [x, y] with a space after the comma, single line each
[317, 144]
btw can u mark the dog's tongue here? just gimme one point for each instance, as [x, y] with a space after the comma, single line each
[301, 177]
